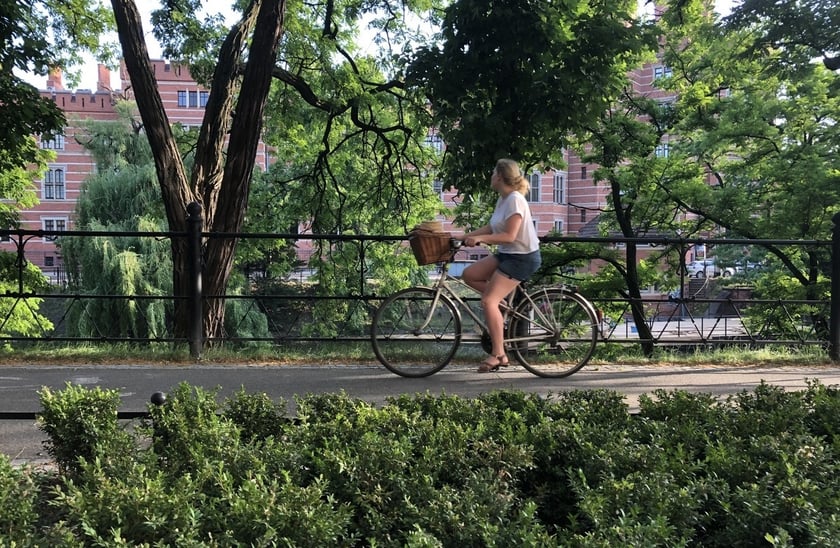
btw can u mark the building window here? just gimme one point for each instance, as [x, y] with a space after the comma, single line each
[663, 150]
[583, 215]
[53, 225]
[54, 184]
[661, 71]
[49, 260]
[438, 188]
[435, 141]
[193, 99]
[558, 226]
[559, 188]
[52, 142]
[583, 172]
[534, 192]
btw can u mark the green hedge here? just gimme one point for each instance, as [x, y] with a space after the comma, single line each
[504, 469]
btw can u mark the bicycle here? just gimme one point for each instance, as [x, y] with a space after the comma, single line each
[551, 331]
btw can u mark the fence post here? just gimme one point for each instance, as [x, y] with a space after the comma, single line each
[194, 307]
[834, 320]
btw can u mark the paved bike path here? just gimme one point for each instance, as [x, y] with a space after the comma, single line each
[19, 385]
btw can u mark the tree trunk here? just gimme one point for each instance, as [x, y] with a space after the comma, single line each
[624, 216]
[222, 191]
[634, 293]
[245, 134]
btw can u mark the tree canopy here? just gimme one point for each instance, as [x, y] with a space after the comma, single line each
[513, 78]
[802, 30]
[518, 78]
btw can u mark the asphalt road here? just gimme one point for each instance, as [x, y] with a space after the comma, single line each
[19, 385]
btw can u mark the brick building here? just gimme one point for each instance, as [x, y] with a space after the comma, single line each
[563, 201]
[184, 102]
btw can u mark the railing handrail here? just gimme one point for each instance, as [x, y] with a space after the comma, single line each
[195, 235]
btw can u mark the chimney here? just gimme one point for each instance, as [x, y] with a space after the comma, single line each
[54, 80]
[103, 79]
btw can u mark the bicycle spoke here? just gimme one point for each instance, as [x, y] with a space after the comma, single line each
[553, 333]
[415, 335]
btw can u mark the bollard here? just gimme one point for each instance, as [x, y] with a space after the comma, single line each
[834, 319]
[196, 327]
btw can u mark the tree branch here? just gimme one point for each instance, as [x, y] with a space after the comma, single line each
[168, 163]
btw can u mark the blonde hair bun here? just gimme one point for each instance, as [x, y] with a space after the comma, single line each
[512, 175]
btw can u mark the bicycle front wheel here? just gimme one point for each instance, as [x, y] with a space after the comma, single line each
[414, 333]
[553, 332]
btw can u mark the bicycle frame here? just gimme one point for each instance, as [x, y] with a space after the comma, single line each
[520, 294]
[442, 287]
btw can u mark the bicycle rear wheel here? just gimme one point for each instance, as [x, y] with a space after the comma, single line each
[553, 332]
[410, 337]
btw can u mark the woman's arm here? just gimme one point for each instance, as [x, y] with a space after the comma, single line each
[512, 225]
[469, 236]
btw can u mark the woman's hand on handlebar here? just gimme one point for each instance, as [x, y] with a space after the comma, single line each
[472, 241]
[467, 240]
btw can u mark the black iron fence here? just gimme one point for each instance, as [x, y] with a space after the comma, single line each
[718, 307]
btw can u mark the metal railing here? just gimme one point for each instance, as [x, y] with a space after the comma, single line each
[702, 312]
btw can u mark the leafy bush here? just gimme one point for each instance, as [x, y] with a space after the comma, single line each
[82, 425]
[504, 469]
[18, 513]
[257, 416]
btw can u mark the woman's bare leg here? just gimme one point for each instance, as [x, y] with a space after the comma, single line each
[497, 289]
[478, 274]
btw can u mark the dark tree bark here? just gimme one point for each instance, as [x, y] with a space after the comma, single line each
[219, 182]
[631, 276]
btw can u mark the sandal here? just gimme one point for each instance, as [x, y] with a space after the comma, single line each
[488, 367]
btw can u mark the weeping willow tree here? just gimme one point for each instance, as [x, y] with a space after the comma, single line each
[123, 197]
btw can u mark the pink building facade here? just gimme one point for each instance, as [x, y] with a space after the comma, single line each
[562, 201]
[184, 101]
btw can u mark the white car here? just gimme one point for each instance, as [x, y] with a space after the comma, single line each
[707, 268]
[456, 268]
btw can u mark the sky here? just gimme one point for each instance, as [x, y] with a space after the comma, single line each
[89, 72]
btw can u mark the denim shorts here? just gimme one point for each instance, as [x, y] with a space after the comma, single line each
[519, 266]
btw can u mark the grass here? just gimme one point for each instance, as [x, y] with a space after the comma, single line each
[361, 353]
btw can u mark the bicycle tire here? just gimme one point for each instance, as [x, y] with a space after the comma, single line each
[553, 332]
[408, 345]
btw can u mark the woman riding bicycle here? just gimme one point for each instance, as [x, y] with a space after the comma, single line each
[516, 259]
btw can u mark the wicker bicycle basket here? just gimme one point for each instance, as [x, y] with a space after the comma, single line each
[430, 247]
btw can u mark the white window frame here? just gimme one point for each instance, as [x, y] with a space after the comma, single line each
[534, 192]
[53, 224]
[51, 188]
[435, 141]
[662, 71]
[559, 188]
[55, 143]
[662, 150]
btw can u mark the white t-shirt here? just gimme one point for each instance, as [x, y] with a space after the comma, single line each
[526, 240]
